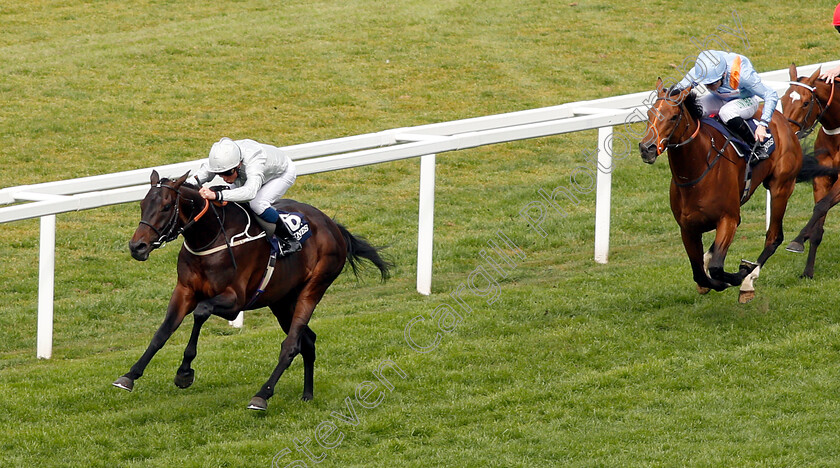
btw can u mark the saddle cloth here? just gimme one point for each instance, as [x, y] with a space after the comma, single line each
[741, 146]
[296, 222]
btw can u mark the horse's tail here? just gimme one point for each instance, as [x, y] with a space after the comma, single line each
[812, 168]
[359, 248]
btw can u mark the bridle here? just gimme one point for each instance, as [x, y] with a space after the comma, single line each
[803, 131]
[710, 162]
[660, 148]
[170, 231]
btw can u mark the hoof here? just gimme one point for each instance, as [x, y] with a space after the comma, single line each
[806, 276]
[124, 383]
[185, 380]
[306, 397]
[258, 404]
[746, 296]
[703, 290]
[795, 247]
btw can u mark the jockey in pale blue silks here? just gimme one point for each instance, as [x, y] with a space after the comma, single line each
[256, 173]
[734, 87]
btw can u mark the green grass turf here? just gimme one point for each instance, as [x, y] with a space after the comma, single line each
[573, 364]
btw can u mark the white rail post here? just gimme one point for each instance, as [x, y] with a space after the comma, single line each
[46, 287]
[602, 195]
[767, 215]
[426, 224]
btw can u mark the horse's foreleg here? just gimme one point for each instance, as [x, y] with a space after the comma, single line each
[815, 239]
[821, 207]
[221, 304]
[779, 196]
[822, 187]
[693, 243]
[724, 234]
[180, 305]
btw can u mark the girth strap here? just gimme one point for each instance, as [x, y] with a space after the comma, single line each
[269, 270]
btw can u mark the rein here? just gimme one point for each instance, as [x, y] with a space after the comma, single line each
[660, 148]
[709, 165]
[170, 230]
[235, 240]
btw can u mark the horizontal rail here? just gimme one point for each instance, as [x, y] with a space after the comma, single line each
[359, 150]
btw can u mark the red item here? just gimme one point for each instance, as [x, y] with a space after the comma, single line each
[837, 15]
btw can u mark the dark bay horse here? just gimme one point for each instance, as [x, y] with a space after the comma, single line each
[214, 279]
[807, 102]
[707, 184]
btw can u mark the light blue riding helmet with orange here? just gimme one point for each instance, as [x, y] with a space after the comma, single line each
[709, 67]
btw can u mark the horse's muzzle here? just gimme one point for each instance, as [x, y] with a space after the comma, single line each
[648, 152]
[139, 250]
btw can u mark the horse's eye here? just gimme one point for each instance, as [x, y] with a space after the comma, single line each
[166, 207]
[673, 118]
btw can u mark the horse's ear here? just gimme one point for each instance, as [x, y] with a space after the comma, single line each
[659, 86]
[813, 78]
[155, 177]
[793, 73]
[181, 180]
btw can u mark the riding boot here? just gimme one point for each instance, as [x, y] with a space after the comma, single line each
[288, 243]
[740, 127]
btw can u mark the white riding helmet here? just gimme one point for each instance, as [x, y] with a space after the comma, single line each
[224, 155]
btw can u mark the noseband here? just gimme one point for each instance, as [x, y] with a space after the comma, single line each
[170, 231]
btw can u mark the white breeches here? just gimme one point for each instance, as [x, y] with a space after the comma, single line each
[274, 189]
[727, 110]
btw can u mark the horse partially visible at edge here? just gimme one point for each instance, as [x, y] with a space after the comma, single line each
[807, 102]
[221, 266]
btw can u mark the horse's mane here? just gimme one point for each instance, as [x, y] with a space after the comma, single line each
[690, 102]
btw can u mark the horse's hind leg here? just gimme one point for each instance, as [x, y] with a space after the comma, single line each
[308, 298]
[283, 312]
[307, 352]
[779, 195]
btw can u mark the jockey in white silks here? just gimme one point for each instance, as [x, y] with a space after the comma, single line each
[256, 173]
[734, 87]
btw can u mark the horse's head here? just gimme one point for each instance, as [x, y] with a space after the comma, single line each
[665, 119]
[159, 216]
[801, 104]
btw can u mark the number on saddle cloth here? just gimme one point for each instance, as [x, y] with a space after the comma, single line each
[297, 224]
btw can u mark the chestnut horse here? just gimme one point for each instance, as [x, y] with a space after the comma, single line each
[222, 265]
[707, 185]
[807, 102]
